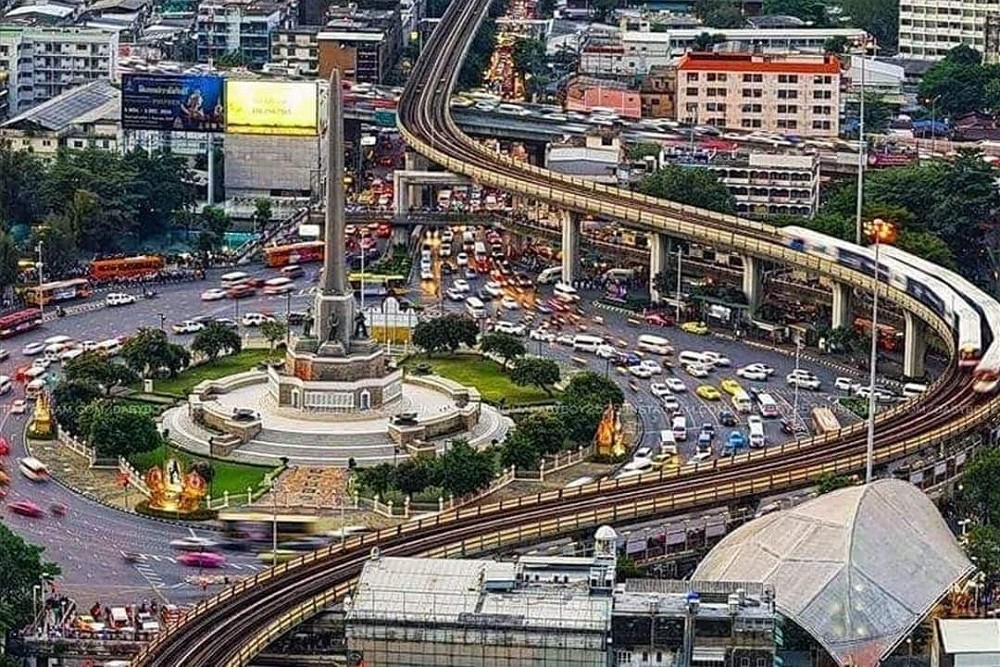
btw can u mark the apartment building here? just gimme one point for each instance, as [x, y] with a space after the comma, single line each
[364, 44]
[658, 92]
[243, 27]
[297, 49]
[633, 52]
[928, 29]
[4, 95]
[791, 94]
[42, 63]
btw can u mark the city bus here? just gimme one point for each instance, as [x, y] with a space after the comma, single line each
[19, 321]
[126, 267]
[378, 285]
[294, 253]
[888, 337]
[62, 290]
[824, 420]
[259, 527]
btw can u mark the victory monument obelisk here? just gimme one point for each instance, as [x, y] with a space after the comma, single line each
[333, 366]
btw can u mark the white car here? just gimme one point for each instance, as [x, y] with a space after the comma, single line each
[510, 303]
[670, 403]
[763, 368]
[803, 382]
[444, 250]
[605, 351]
[651, 366]
[845, 384]
[675, 384]
[643, 453]
[755, 419]
[31, 349]
[118, 299]
[716, 358]
[752, 373]
[493, 288]
[214, 294]
[194, 544]
[659, 389]
[254, 319]
[640, 372]
[696, 371]
[542, 335]
[462, 259]
[509, 327]
[89, 345]
[187, 327]
[566, 339]
[454, 295]
[71, 354]
[802, 373]
[426, 274]
[461, 285]
[41, 362]
[447, 236]
[19, 406]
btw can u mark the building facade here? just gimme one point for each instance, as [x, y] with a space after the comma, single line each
[928, 29]
[364, 44]
[297, 49]
[239, 27]
[793, 94]
[586, 93]
[43, 63]
[658, 92]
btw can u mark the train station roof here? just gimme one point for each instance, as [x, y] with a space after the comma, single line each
[857, 568]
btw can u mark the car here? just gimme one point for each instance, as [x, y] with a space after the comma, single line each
[41, 362]
[696, 370]
[708, 427]
[228, 323]
[605, 351]
[659, 389]
[19, 406]
[700, 457]
[764, 368]
[31, 349]
[241, 291]
[113, 299]
[509, 302]
[305, 543]
[670, 403]
[882, 395]
[470, 273]
[447, 268]
[715, 358]
[542, 335]
[461, 285]
[802, 373]
[698, 328]
[675, 384]
[557, 305]
[708, 392]
[187, 327]
[793, 426]
[845, 384]
[493, 289]
[755, 419]
[736, 441]
[658, 320]
[454, 295]
[444, 250]
[447, 236]
[643, 453]
[523, 280]
[542, 308]
[462, 259]
[652, 366]
[750, 373]
[194, 543]
[565, 339]
[206, 559]
[803, 382]
[26, 508]
[730, 386]
[727, 418]
[279, 556]
[509, 327]
[4, 448]
[426, 274]
[640, 371]
[254, 319]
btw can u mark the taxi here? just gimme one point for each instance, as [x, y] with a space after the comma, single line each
[708, 392]
[698, 328]
[730, 386]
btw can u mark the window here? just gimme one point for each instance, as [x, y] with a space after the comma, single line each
[710, 76]
[788, 78]
[785, 94]
[693, 92]
[710, 92]
[787, 124]
[692, 76]
[821, 125]
[822, 94]
[747, 78]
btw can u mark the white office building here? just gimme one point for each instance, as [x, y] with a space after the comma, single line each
[928, 29]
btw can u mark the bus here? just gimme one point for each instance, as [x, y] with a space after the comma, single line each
[475, 308]
[294, 253]
[62, 290]
[378, 285]
[126, 267]
[258, 527]
[824, 420]
[20, 321]
[888, 337]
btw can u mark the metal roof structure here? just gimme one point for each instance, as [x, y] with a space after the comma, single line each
[97, 100]
[856, 568]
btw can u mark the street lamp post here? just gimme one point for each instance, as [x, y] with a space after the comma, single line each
[677, 306]
[288, 315]
[880, 232]
[861, 144]
[934, 102]
[41, 301]
[163, 320]
[795, 390]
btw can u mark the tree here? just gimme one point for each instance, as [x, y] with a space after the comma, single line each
[812, 12]
[215, 340]
[58, 245]
[69, 399]
[643, 149]
[118, 429]
[980, 491]
[603, 10]
[704, 41]
[412, 476]
[95, 370]
[507, 346]
[274, 331]
[828, 482]
[877, 112]
[262, 213]
[544, 430]
[836, 45]
[21, 568]
[718, 14]
[149, 354]
[9, 257]
[694, 186]
[530, 61]
[958, 81]
[21, 172]
[215, 223]
[447, 332]
[535, 371]
[984, 548]
[879, 17]
[584, 401]
[545, 8]
[520, 451]
[462, 469]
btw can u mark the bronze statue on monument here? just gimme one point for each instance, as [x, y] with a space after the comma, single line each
[360, 326]
[334, 326]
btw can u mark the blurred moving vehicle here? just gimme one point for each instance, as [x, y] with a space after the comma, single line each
[193, 543]
[202, 559]
[26, 508]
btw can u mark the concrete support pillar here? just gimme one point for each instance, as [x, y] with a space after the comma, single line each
[752, 281]
[570, 225]
[405, 194]
[841, 305]
[659, 262]
[414, 161]
[915, 346]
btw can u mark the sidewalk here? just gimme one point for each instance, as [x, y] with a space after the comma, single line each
[72, 470]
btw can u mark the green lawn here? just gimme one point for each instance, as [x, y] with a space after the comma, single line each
[186, 380]
[229, 476]
[483, 374]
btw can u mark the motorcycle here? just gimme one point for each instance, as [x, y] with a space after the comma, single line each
[60, 312]
[58, 509]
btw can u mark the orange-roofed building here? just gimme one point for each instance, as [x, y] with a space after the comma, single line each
[790, 94]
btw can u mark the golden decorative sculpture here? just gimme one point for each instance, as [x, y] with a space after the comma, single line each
[609, 437]
[172, 490]
[41, 419]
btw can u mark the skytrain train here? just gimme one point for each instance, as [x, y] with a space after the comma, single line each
[970, 311]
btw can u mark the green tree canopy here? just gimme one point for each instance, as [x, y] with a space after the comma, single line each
[97, 371]
[215, 340]
[9, 257]
[447, 332]
[149, 354]
[274, 331]
[463, 469]
[694, 186]
[507, 346]
[118, 429]
[584, 401]
[812, 12]
[21, 568]
[980, 492]
[535, 371]
[958, 82]
[69, 399]
[544, 429]
[520, 451]
[718, 14]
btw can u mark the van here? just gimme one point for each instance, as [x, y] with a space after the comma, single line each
[741, 402]
[231, 279]
[688, 357]
[585, 343]
[679, 427]
[668, 443]
[5, 385]
[34, 388]
[110, 347]
[912, 389]
[619, 274]
[654, 344]
[279, 285]
[768, 406]
[33, 469]
[553, 274]
[475, 307]
[293, 271]
[756, 434]
[565, 292]
[53, 353]
[35, 373]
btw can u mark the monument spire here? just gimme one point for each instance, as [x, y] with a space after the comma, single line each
[334, 269]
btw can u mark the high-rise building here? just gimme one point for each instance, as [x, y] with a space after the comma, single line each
[928, 29]
[239, 27]
[43, 63]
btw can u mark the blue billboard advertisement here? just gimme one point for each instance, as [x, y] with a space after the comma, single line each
[180, 102]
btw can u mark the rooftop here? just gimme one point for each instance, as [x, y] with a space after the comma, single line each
[97, 100]
[970, 635]
[755, 62]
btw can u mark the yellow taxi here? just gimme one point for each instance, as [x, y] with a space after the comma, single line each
[699, 328]
[708, 392]
[730, 386]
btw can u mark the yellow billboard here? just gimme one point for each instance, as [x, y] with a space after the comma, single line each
[271, 107]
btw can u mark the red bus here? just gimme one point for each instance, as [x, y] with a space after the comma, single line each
[888, 337]
[62, 290]
[20, 321]
[126, 267]
[295, 253]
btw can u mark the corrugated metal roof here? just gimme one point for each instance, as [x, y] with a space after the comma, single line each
[856, 568]
[970, 635]
[92, 101]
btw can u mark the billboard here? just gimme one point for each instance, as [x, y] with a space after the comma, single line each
[271, 107]
[188, 103]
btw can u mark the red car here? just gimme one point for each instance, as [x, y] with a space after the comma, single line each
[4, 446]
[658, 320]
[557, 305]
[201, 559]
[26, 508]
[241, 291]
